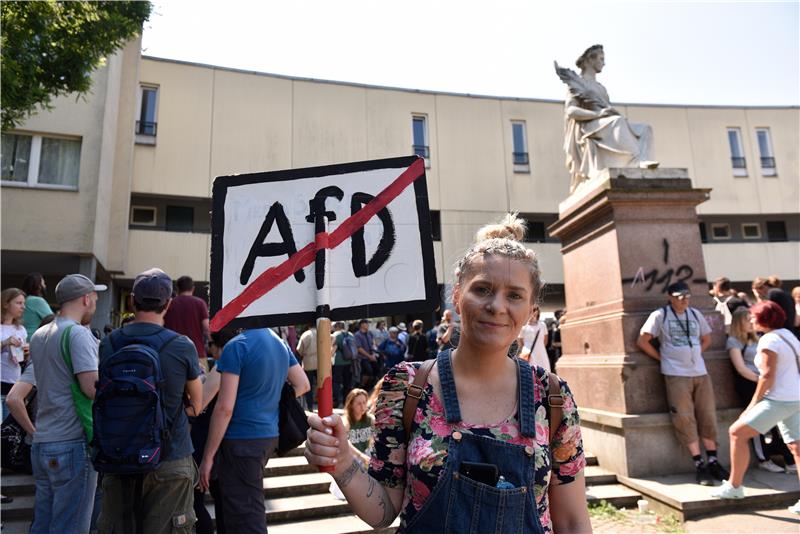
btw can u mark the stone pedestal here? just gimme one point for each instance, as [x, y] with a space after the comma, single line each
[625, 237]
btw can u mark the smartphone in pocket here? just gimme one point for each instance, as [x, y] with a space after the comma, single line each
[487, 474]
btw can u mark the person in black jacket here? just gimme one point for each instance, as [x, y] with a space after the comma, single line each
[417, 343]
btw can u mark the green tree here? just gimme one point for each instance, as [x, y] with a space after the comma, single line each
[50, 48]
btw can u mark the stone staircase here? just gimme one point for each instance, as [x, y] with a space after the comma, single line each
[298, 501]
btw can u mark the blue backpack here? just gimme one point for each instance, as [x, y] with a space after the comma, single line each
[130, 424]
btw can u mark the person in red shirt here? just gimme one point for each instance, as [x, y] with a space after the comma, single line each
[188, 315]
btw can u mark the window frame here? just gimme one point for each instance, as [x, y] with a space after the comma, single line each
[142, 138]
[715, 226]
[34, 162]
[426, 138]
[766, 171]
[784, 231]
[520, 168]
[737, 171]
[755, 225]
[153, 209]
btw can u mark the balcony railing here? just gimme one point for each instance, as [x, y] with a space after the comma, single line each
[521, 158]
[767, 163]
[146, 128]
[739, 163]
[422, 151]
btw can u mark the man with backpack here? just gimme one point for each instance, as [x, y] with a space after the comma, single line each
[65, 371]
[149, 475]
[683, 335]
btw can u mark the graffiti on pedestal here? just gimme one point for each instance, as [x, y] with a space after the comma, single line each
[658, 279]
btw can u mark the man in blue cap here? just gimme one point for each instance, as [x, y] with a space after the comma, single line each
[167, 494]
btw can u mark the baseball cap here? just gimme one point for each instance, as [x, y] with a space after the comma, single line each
[677, 289]
[74, 286]
[402, 326]
[152, 287]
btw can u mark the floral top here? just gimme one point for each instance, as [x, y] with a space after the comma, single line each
[419, 469]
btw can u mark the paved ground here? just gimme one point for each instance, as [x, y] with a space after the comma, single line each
[771, 521]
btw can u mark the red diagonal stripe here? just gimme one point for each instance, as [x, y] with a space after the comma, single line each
[273, 276]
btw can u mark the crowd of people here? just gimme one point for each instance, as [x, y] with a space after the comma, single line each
[220, 393]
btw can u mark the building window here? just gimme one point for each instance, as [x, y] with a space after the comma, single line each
[179, 219]
[520, 145]
[419, 130]
[436, 225]
[720, 231]
[147, 125]
[143, 215]
[765, 152]
[738, 161]
[39, 161]
[534, 229]
[751, 231]
[776, 231]
[703, 235]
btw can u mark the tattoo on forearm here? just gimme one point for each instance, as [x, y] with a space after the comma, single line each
[344, 480]
[389, 513]
[371, 487]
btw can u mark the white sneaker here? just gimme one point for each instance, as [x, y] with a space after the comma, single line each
[795, 508]
[727, 491]
[769, 465]
[791, 468]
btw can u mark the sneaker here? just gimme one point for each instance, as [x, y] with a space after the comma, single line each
[795, 508]
[704, 478]
[727, 491]
[791, 468]
[769, 465]
[716, 470]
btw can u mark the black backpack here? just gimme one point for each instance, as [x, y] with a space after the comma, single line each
[130, 424]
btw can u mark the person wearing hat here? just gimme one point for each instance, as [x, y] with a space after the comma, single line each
[683, 335]
[167, 499]
[392, 349]
[62, 467]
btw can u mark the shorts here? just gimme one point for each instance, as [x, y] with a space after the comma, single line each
[692, 407]
[766, 413]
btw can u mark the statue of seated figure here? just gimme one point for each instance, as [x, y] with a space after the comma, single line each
[597, 136]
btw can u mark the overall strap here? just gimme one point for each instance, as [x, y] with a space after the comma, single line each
[451, 410]
[525, 403]
[414, 394]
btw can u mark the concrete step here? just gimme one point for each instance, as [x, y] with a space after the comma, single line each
[591, 459]
[288, 465]
[21, 508]
[597, 476]
[17, 484]
[616, 494]
[681, 495]
[295, 485]
[345, 524]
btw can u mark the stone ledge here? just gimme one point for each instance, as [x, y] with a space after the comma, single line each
[625, 421]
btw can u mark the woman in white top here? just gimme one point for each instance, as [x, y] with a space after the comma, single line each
[533, 340]
[775, 401]
[13, 346]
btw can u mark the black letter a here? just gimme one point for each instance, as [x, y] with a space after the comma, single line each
[259, 248]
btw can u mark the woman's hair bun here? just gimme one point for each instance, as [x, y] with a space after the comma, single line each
[509, 227]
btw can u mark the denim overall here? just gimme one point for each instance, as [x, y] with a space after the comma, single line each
[461, 505]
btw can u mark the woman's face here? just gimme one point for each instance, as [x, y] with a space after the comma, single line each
[758, 327]
[15, 307]
[495, 302]
[359, 407]
[747, 325]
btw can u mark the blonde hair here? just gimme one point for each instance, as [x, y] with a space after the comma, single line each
[738, 329]
[348, 403]
[6, 297]
[500, 239]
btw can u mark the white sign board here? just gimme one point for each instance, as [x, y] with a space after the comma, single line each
[343, 241]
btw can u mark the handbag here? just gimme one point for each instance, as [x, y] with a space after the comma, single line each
[83, 404]
[16, 452]
[292, 421]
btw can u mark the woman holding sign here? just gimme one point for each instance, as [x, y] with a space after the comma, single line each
[478, 455]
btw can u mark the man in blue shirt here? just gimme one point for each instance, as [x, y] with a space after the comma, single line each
[244, 426]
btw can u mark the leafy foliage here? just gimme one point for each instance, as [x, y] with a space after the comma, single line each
[50, 48]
